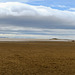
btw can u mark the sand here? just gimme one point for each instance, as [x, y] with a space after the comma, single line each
[37, 58]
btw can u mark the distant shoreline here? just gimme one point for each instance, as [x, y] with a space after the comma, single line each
[15, 39]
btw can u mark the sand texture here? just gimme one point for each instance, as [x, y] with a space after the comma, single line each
[37, 58]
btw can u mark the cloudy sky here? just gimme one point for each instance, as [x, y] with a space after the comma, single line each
[42, 19]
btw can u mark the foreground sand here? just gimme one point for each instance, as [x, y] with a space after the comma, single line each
[37, 58]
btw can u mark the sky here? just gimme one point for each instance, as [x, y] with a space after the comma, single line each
[37, 19]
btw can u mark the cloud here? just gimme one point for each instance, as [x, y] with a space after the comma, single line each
[73, 9]
[23, 32]
[20, 14]
[20, 19]
[60, 6]
[20, 0]
[37, 36]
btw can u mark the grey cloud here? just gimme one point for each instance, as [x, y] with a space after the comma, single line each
[24, 15]
[19, 19]
[36, 22]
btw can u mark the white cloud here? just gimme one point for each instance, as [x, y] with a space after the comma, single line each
[21, 9]
[20, 0]
[37, 36]
[73, 9]
[25, 36]
[17, 17]
[23, 32]
[16, 8]
[60, 6]
[38, 30]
